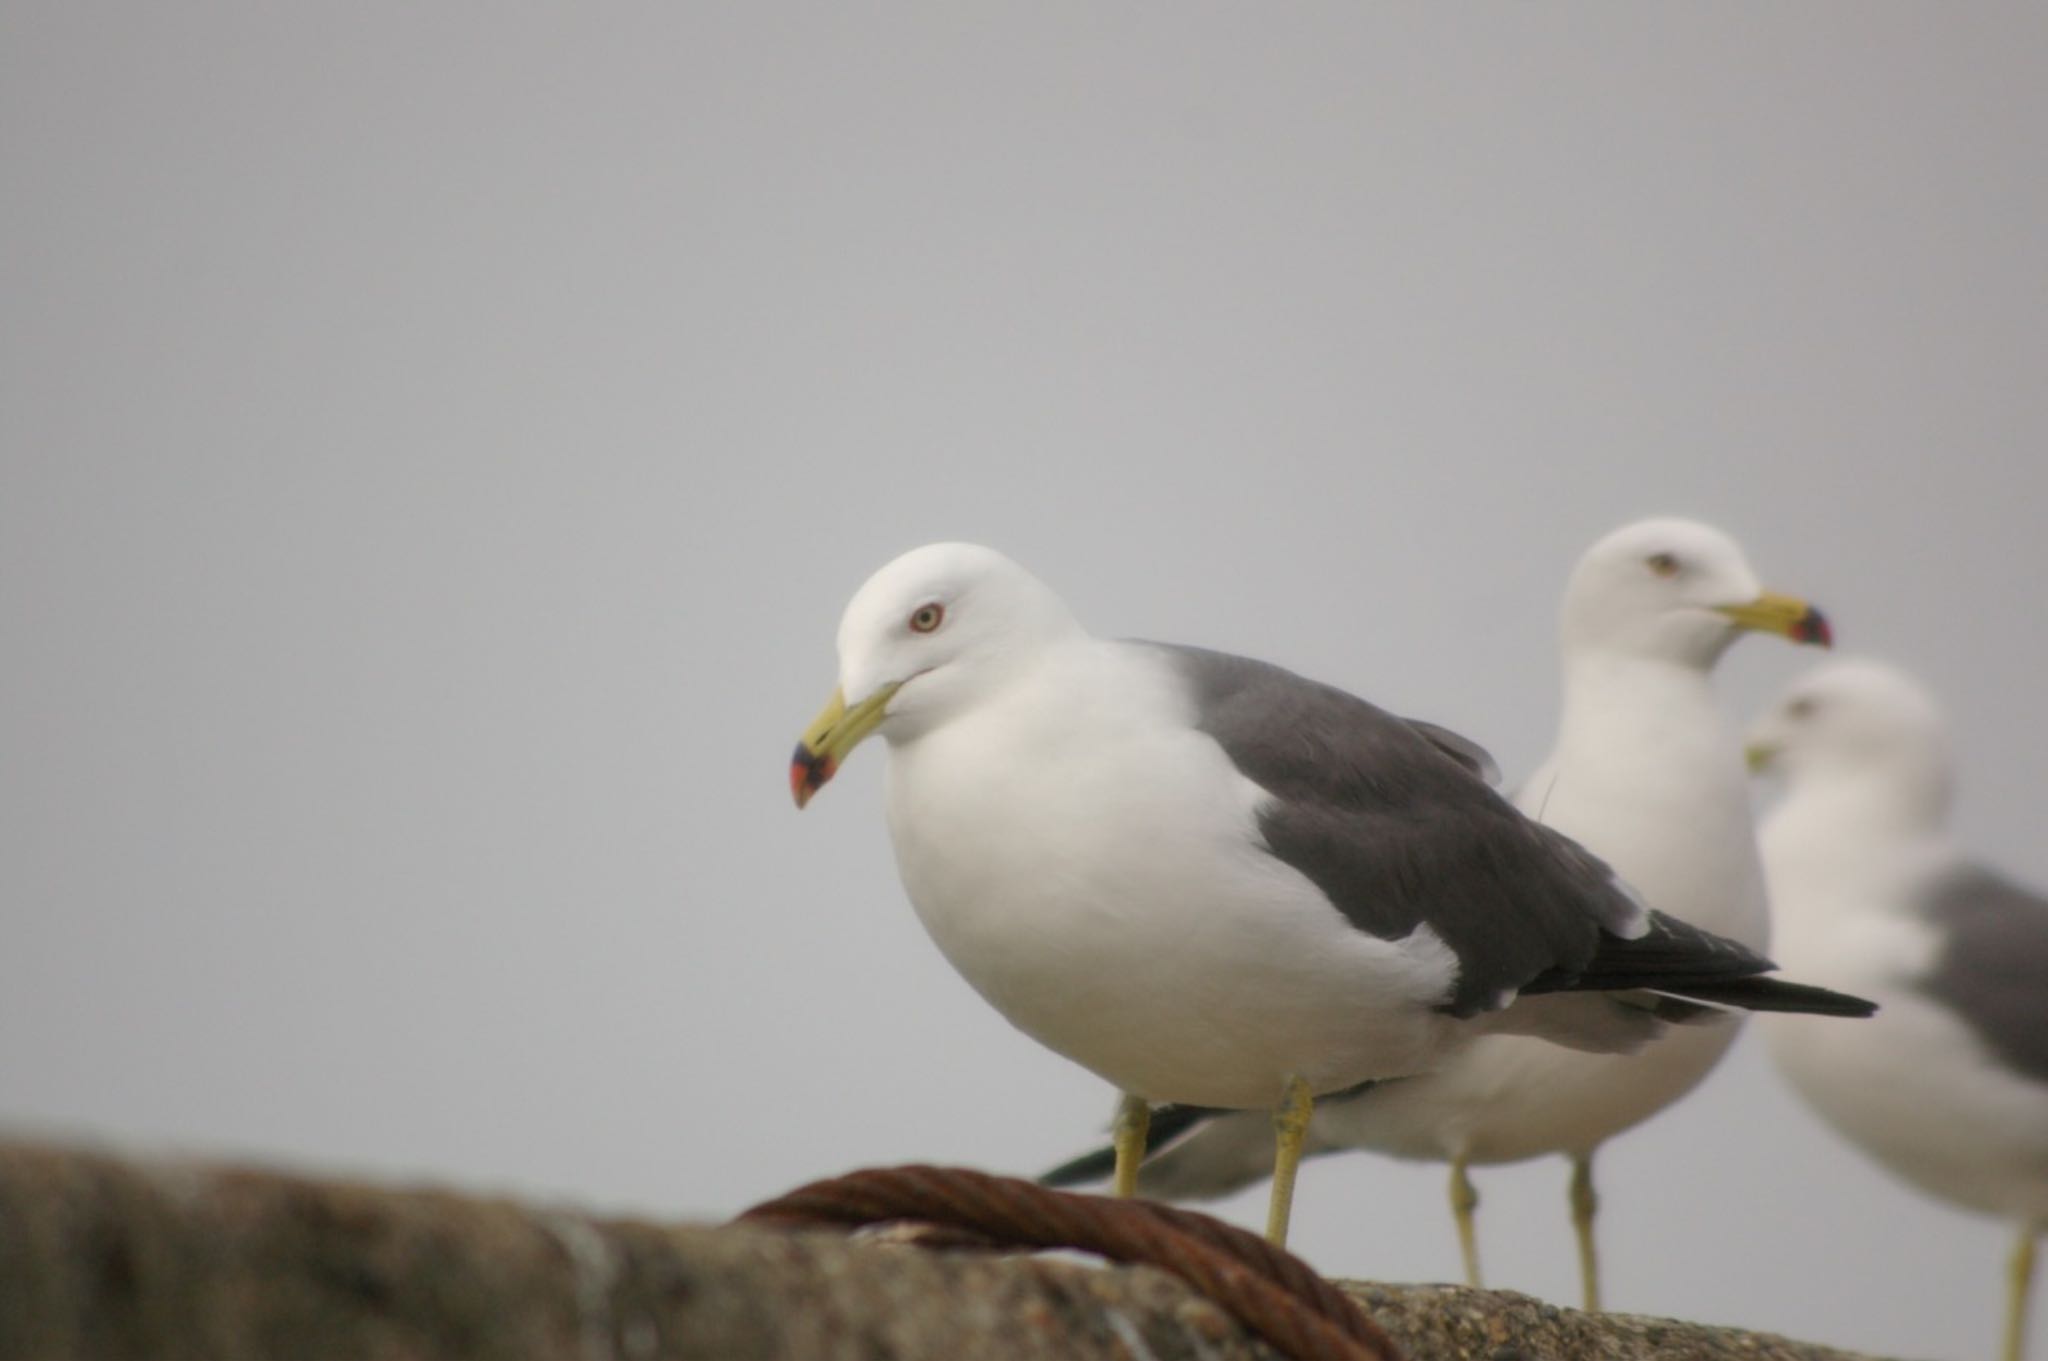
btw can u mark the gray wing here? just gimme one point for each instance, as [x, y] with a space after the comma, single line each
[1396, 826]
[1459, 748]
[1993, 967]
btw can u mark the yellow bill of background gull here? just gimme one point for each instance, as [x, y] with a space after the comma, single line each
[1948, 1086]
[1647, 773]
[1210, 881]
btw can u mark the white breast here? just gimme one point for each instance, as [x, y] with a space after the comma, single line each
[1091, 864]
[1912, 1086]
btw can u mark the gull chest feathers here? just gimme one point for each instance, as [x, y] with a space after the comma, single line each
[1092, 864]
[1648, 773]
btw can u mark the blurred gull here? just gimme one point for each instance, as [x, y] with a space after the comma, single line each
[1647, 774]
[1210, 881]
[1948, 1086]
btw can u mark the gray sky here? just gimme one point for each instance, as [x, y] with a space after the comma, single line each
[438, 444]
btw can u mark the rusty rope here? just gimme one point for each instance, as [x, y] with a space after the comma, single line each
[1268, 1289]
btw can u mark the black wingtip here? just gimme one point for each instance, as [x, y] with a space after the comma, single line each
[1168, 1123]
[1781, 995]
[1807, 999]
[1094, 1166]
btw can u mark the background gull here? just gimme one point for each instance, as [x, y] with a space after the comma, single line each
[1646, 773]
[1210, 881]
[1948, 1086]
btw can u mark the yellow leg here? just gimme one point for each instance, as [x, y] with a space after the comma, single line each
[1464, 1200]
[1584, 1205]
[1133, 1118]
[1290, 1132]
[2019, 1285]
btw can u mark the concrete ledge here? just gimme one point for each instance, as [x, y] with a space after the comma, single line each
[103, 1257]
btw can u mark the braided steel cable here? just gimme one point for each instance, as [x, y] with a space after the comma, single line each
[1268, 1289]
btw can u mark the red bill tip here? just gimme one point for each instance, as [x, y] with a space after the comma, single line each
[807, 773]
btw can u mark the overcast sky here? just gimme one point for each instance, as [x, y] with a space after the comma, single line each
[438, 443]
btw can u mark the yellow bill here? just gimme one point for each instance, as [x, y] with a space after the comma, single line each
[1782, 614]
[835, 732]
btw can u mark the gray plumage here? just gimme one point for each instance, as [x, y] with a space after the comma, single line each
[1459, 748]
[1993, 966]
[1395, 823]
[1398, 830]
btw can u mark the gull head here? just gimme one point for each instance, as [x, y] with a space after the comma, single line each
[1675, 590]
[1855, 723]
[928, 636]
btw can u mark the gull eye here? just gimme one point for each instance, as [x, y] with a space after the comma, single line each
[927, 617]
[1801, 708]
[1663, 564]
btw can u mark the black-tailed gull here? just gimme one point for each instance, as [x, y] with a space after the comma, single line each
[1647, 773]
[1948, 1086]
[1210, 881]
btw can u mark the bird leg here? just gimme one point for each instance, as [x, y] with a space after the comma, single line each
[1464, 1200]
[1584, 1205]
[2019, 1286]
[1290, 1132]
[1133, 1118]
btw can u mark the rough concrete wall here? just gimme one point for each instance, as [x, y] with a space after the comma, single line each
[101, 1257]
